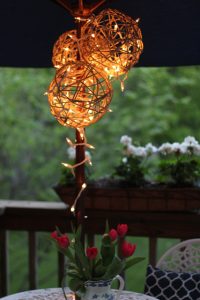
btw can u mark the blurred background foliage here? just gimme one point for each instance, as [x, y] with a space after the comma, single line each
[158, 105]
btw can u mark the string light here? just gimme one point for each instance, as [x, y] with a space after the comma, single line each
[82, 133]
[72, 167]
[73, 207]
[79, 95]
[113, 43]
[65, 49]
[122, 86]
[74, 145]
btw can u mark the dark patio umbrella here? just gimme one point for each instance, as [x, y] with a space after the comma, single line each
[170, 29]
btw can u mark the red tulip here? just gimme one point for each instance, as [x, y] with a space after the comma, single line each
[122, 229]
[54, 235]
[128, 249]
[63, 241]
[113, 234]
[91, 252]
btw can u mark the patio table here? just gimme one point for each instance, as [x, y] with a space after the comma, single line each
[57, 294]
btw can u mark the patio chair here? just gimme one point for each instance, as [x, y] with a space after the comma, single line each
[183, 257]
[177, 273]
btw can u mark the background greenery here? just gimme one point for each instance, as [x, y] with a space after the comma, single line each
[158, 105]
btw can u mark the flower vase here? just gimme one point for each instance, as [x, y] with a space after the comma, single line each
[101, 290]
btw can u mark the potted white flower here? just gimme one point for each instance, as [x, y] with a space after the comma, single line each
[163, 178]
[179, 163]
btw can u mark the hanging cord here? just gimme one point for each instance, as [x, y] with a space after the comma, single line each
[82, 10]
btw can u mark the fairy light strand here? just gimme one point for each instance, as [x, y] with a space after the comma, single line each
[78, 103]
[73, 207]
[72, 167]
[74, 145]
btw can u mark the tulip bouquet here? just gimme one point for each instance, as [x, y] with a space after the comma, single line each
[93, 263]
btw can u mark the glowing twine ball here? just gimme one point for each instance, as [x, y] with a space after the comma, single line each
[79, 95]
[113, 43]
[65, 49]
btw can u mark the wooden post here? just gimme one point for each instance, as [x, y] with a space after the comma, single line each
[32, 238]
[3, 263]
[80, 179]
[80, 154]
[152, 251]
[61, 268]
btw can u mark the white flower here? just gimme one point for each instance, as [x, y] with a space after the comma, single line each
[71, 153]
[192, 145]
[165, 148]
[140, 151]
[176, 147]
[88, 154]
[184, 148]
[196, 150]
[124, 160]
[126, 140]
[190, 140]
[150, 149]
[130, 150]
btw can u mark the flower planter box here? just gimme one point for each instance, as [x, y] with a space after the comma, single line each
[135, 199]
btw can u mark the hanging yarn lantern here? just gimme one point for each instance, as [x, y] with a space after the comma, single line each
[113, 42]
[65, 49]
[79, 95]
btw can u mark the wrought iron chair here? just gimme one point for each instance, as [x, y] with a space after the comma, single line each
[177, 273]
[183, 257]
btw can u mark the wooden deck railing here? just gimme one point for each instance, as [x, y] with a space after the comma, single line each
[33, 217]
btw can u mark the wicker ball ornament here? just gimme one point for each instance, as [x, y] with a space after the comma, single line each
[113, 43]
[65, 49]
[79, 95]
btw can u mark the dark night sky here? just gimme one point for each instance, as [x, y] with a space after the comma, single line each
[171, 30]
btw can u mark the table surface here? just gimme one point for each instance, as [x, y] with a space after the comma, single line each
[57, 294]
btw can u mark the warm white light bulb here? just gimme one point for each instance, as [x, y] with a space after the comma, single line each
[72, 209]
[84, 185]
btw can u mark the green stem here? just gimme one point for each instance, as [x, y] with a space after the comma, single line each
[91, 264]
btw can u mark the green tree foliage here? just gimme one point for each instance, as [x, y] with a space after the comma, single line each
[158, 105]
[30, 141]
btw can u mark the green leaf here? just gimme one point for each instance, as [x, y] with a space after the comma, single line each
[107, 229]
[66, 252]
[79, 266]
[73, 227]
[129, 263]
[115, 268]
[75, 284]
[58, 230]
[107, 250]
[74, 273]
[99, 269]
[106, 239]
[78, 233]
[81, 259]
[69, 254]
